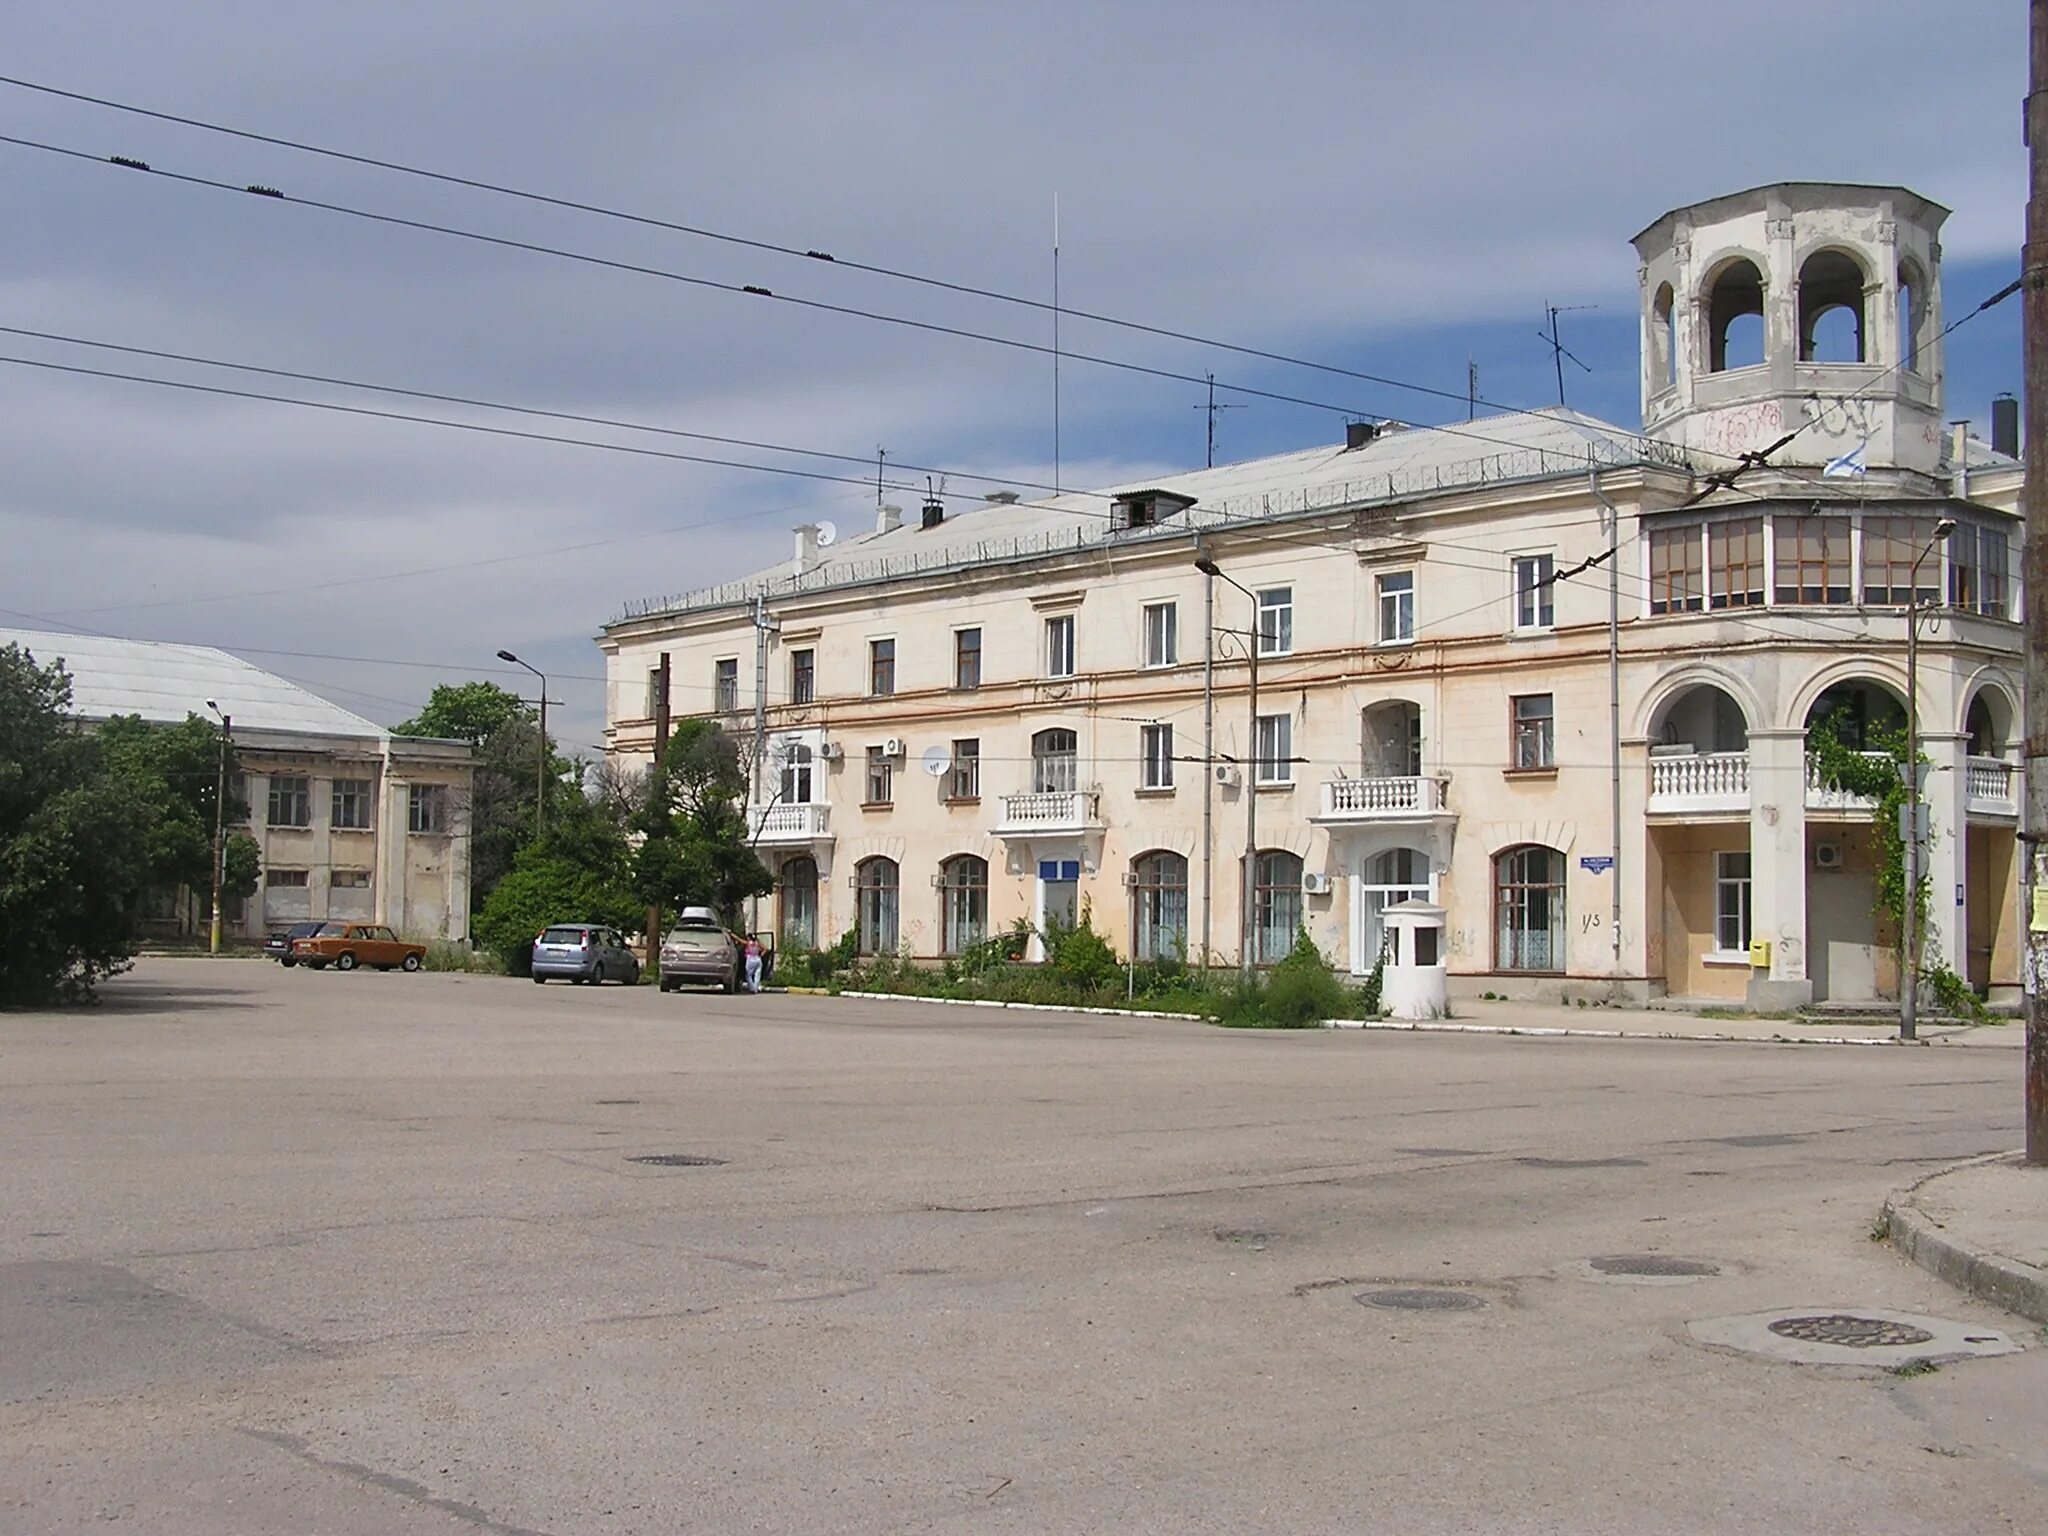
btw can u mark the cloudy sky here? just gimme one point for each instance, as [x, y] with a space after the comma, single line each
[1389, 187]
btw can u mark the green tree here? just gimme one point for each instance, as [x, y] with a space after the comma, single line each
[697, 852]
[74, 840]
[581, 871]
[177, 769]
[471, 712]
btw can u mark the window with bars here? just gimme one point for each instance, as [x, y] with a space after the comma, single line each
[291, 801]
[1273, 753]
[1162, 634]
[876, 890]
[803, 676]
[348, 805]
[1735, 556]
[1532, 717]
[1731, 902]
[963, 779]
[1059, 645]
[881, 668]
[1155, 753]
[1891, 547]
[1677, 573]
[963, 889]
[967, 658]
[1276, 905]
[1529, 908]
[1812, 560]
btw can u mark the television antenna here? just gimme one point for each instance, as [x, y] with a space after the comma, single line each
[1558, 350]
[1212, 408]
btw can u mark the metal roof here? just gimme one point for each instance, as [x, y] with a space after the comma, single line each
[1401, 463]
[164, 682]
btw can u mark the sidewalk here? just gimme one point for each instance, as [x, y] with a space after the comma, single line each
[1981, 1226]
[1520, 1018]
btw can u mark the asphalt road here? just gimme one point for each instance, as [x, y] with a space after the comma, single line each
[373, 1253]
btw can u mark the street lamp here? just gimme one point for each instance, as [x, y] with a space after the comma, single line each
[220, 814]
[1249, 896]
[1909, 936]
[540, 765]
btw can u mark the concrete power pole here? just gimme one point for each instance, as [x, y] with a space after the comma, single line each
[2034, 367]
[661, 725]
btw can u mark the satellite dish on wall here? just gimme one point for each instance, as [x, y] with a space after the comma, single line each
[828, 534]
[936, 760]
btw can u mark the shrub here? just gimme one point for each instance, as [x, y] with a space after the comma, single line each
[1302, 990]
[454, 955]
[1081, 955]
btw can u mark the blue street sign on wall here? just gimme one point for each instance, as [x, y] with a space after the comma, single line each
[1597, 863]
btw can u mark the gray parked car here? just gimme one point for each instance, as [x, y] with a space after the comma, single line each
[583, 952]
[701, 951]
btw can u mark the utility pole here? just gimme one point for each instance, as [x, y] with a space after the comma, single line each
[2034, 503]
[1913, 814]
[654, 782]
[763, 625]
[220, 824]
[540, 757]
[1248, 889]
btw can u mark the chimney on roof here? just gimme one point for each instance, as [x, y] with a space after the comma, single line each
[888, 518]
[1358, 433]
[934, 512]
[806, 548]
[1000, 498]
[2005, 425]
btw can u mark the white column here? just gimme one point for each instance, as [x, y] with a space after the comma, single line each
[1947, 795]
[1777, 857]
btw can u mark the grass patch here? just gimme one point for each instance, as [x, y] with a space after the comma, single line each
[451, 955]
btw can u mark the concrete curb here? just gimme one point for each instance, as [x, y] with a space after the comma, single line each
[2004, 1282]
[1430, 1026]
[985, 1002]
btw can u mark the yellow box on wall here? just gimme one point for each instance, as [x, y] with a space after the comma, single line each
[1760, 954]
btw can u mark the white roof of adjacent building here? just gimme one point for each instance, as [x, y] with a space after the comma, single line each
[1401, 462]
[164, 682]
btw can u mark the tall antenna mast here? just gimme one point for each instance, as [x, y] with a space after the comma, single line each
[1558, 351]
[1212, 408]
[881, 457]
[1056, 343]
[1471, 386]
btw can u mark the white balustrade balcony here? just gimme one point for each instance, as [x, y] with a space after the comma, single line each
[1049, 812]
[1411, 798]
[1821, 797]
[789, 822]
[1992, 786]
[1699, 783]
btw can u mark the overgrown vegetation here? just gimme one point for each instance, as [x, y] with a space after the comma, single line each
[1883, 779]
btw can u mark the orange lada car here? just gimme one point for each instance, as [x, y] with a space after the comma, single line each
[348, 945]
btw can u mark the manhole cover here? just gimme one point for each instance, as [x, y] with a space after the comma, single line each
[1655, 1264]
[1417, 1300]
[678, 1160]
[1850, 1331]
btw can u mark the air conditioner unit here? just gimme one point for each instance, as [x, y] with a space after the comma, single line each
[938, 882]
[1227, 775]
[894, 747]
[831, 751]
[1827, 855]
[1315, 883]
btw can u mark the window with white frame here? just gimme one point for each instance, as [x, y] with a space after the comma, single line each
[1273, 755]
[1397, 606]
[1731, 902]
[1276, 621]
[349, 805]
[1533, 720]
[1535, 587]
[797, 765]
[1162, 634]
[1155, 752]
[881, 788]
[1059, 645]
[725, 685]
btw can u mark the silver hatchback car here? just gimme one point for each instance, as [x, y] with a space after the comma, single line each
[583, 952]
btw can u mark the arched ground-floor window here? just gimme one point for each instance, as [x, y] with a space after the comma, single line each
[1276, 905]
[875, 885]
[1159, 906]
[1529, 928]
[963, 892]
[796, 902]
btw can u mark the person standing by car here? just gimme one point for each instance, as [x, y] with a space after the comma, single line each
[753, 953]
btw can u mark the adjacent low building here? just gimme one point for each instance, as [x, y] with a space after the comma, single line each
[352, 821]
[1553, 674]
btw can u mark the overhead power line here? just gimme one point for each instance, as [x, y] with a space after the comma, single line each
[1347, 411]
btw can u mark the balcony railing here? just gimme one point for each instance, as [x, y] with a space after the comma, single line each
[1823, 797]
[1059, 810]
[1697, 782]
[1992, 787]
[789, 822]
[1397, 799]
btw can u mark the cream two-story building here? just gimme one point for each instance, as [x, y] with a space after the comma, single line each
[1554, 674]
